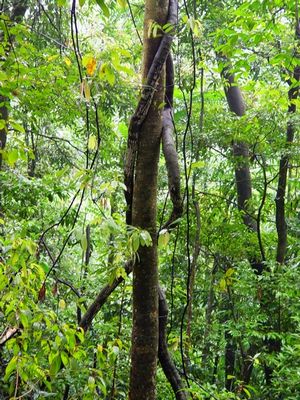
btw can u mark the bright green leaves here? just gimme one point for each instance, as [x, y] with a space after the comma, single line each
[139, 238]
[62, 3]
[197, 165]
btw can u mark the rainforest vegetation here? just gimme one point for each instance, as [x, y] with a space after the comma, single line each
[149, 199]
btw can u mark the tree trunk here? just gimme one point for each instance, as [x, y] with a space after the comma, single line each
[145, 271]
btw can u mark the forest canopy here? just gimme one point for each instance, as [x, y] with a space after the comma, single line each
[149, 199]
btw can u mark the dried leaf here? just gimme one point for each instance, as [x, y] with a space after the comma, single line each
[42, 293]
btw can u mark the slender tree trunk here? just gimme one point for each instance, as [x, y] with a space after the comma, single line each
[145, 272]
[208, 318]
[4, 118]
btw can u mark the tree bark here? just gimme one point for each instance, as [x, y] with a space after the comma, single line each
[145, 270]
[244, 194]
[240, 149]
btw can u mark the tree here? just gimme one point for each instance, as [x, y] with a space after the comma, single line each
[209, 226]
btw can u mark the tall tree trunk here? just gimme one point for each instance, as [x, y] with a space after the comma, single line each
[145, 272]
[240, 150]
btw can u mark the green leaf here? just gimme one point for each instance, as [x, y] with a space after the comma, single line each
[64, 358]
[230, 377]
[198, 164]
[12, 157]
[247, 392]
[55, 364]
[11, 367]
[110, 76]
[17, 127]
[24, 319]
[145, 238]
[103, 7]
[223, 285]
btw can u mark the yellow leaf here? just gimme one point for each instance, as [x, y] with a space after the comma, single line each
[91, 67]
[99, 348]
[229, 272]
[52, 58]
[67, 61]
[90, 63]
[92, 144]
[222, 285]
[62, 304]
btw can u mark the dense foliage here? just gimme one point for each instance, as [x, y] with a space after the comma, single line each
[69, 82]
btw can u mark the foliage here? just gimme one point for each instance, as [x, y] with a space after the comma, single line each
[70, 87]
